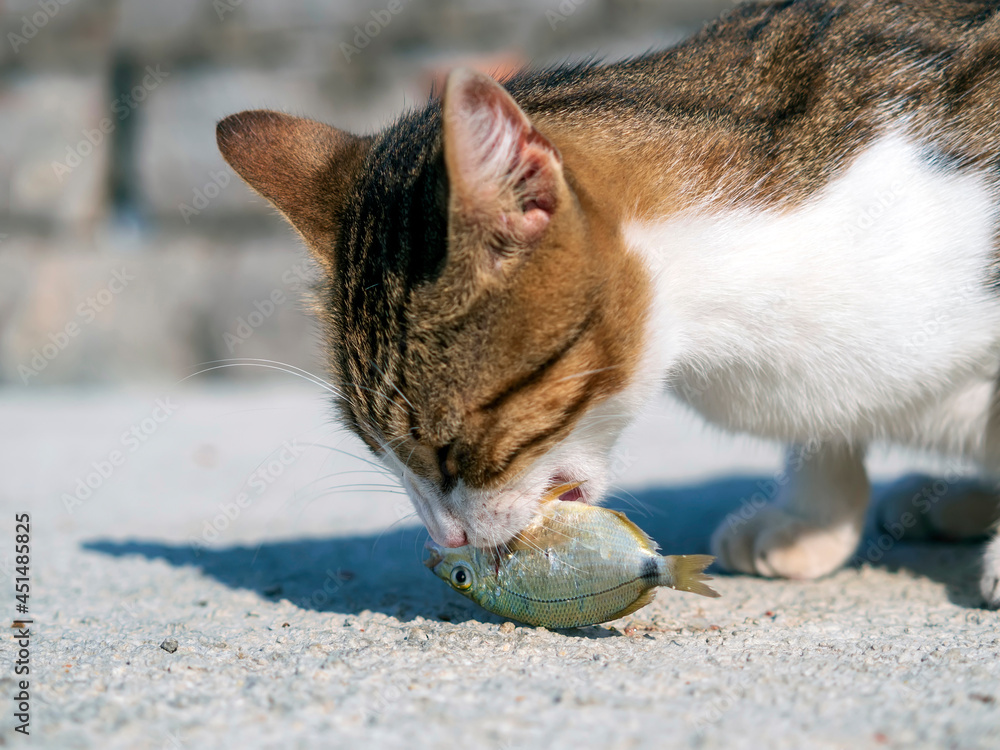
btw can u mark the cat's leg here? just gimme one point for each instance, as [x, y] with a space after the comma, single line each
[950, 507]
[813, 526]
[989, 581]
[989, 584]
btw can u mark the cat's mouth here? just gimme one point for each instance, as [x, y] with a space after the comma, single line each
[562, 488]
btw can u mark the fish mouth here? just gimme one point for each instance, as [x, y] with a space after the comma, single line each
[434, 557]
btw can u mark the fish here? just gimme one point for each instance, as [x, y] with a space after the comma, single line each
[574, 565]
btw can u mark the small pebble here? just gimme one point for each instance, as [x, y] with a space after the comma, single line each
[507, 627]
[169, 645]
[416, 634]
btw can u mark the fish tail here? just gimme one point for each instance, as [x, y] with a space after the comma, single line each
[686, 573]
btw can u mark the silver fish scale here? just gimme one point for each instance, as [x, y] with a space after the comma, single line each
[593, 567]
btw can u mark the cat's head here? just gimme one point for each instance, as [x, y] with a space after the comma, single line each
[484, 322]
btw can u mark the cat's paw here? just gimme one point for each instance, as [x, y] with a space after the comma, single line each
[989, 584]
[776, 544]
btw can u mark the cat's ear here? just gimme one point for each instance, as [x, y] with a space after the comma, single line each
[305, 168]
[505, 177]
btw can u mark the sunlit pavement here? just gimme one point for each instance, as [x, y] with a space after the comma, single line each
[241, 524]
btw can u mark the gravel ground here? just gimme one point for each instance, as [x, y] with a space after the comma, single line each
[173, 612]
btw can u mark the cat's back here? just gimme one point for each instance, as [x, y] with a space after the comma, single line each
[805, 44]
[759, 151]
[786, 94]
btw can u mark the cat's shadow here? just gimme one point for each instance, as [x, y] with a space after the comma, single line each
[383, 572]
[682, 519]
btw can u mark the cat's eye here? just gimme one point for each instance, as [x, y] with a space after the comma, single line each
[461, 578]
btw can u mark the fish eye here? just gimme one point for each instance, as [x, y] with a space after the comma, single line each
[461, 578]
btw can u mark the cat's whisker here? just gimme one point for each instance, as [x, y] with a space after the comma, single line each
[305, 376]
[327, 490]
[396, 441]
[274, 451]
[345, 473]
[259, 360]
[387, 488]
[291, 370]
[407, 462]
[393, 489]
[568, 534]
[355, 456]
[389, 528]
[636, 505]
[538, 548]
[419, 542]
[288, 505]
[387, 447]
[376, 468]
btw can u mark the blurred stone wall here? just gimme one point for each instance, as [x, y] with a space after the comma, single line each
[128, 250]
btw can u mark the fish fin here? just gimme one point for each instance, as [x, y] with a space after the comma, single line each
[685, 573]
[645, 598]
[556, 492]
[540, 534]
[644, 539]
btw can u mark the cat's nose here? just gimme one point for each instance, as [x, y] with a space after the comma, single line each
[453, 537]
[444, 529]
[443, 526]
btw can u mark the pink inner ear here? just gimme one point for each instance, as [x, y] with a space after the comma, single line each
[536, 179]
[509, 171]
[534, 223]
[536, 190]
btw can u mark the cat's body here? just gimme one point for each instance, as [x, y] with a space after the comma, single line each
[792, 220]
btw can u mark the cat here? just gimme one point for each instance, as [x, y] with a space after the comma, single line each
[790, 221]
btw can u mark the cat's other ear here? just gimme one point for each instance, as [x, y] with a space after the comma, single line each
[505, 177]
[305, 168]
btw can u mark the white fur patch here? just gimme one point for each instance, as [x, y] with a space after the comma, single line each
[849, 317]
[863, 314]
